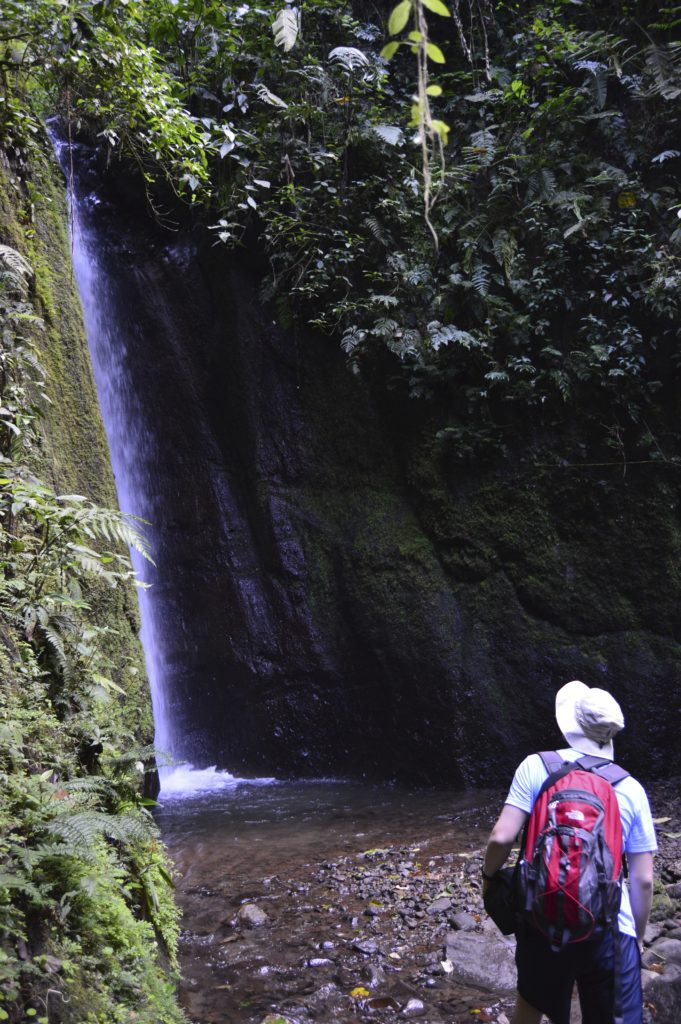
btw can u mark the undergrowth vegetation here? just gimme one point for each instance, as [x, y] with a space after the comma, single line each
[88, 925]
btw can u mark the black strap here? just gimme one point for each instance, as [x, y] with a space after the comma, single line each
[607, 770]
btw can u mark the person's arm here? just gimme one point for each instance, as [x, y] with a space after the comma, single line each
[503, 835]
[640, 889]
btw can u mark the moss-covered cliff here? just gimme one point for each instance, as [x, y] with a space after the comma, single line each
[88, 920]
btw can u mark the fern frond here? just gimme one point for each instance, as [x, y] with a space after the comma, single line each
[480, 278]
[90, 784]
[83, 828]
[664, 65]
[541, 185]
[19, 271]
[269, 97]
[349, 57]
[55, 642]
[17, 884]
[375, 228]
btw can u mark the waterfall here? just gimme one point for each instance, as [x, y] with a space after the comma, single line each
[132, 455]
[150, 471]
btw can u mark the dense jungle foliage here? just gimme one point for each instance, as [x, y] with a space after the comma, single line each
[490, 218]
[479, 200]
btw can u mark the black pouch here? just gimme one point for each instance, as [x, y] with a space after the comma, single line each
[501, 902]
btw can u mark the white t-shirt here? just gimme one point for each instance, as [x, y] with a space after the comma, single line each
[638, 831]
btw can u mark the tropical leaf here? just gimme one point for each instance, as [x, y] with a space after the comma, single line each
[390, 133]
[286, 27]
[83, 828]
[349, 57]
[266, 96]
[399, 17]
[17, 268]
[437, 7]
[480, 278]
[664, 65]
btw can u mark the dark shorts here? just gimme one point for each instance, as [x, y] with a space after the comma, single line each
[546, 979]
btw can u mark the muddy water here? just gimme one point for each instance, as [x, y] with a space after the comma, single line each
[294, 849]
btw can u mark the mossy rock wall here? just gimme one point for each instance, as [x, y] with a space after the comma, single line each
[335, 594]
[74, 456]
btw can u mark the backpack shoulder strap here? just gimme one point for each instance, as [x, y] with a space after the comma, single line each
[555, 766]
[552, 760]
[607, 770]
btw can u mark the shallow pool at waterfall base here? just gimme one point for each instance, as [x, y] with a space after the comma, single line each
[309, 901]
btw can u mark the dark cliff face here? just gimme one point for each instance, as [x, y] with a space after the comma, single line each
[330, 596]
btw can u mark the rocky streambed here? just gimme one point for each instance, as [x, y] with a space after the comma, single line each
[382, 931]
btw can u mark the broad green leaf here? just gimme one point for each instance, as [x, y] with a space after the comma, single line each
[389, 50]
[285, 28]
[437, 7]
[415, 37]
[399, 17]
[434, 90]
[435, 53]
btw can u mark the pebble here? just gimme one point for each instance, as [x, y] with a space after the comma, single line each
[414, 1008]
[366, 946]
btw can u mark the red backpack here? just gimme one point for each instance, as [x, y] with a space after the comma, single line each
[569, 873]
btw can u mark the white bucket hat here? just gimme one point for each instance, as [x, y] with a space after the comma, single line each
[588, 718]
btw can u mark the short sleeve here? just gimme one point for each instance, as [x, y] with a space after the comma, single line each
[526, 783]
[641, 838]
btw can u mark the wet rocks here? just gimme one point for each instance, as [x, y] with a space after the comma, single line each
[252, 916]
[464, 922]
[482, 959]
[439, 906]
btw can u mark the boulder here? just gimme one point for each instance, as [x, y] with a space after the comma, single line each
[482, 959]
[665, 951]
[662, 993]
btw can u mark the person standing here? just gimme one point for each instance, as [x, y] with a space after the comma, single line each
[588, 719]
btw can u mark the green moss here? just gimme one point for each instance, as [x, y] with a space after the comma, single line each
[663, 905]
[98, 919]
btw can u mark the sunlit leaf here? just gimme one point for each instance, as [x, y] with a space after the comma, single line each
[389, 50]
[285, 28]
[399, 17]
[437, 7]
[435, 53]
